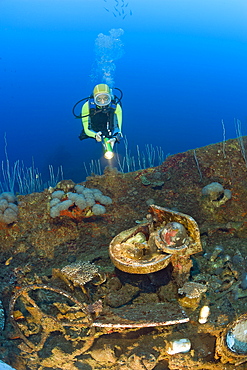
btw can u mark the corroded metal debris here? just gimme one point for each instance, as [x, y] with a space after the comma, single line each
[35, 321]
[34, 324]
[142, 315]
[167, 237]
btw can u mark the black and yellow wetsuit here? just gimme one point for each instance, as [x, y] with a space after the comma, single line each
[107, 119]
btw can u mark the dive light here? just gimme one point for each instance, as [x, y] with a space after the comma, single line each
[108, 148]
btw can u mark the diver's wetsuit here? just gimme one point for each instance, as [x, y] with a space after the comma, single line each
[108, 119]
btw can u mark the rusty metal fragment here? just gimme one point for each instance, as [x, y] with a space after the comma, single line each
[38, 324]
[142, 315]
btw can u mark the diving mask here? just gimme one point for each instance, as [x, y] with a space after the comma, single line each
[102, 99]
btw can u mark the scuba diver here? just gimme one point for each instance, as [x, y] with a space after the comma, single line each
[101, 116]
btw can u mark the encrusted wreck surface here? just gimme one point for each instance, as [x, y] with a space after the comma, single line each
[37, 244]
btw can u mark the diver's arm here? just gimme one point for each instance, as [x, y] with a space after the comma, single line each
[118, 120]
[86, 120]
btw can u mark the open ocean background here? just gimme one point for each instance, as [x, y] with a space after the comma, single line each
[181, 64]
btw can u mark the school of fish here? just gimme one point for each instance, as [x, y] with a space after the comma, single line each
[120, 8]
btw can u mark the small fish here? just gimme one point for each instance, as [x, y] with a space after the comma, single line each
[126, 5]
[124, 16]
[106, 9]
[122, 11]
[105, 1]
[131, 12]
[117, 10]
[114, 15]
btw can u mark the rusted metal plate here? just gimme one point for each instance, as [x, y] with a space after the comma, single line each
[142, 315]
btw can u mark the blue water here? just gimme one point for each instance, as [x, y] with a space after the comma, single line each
[183, 70]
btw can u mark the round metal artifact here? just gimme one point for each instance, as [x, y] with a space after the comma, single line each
[231, 346]
[149, 247]
[236, 338]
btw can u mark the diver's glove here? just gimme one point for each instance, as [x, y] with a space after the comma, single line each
[98, 136]
[83, 135]
[118, 136]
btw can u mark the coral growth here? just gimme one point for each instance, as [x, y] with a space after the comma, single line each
[78, 202]
[8, 208]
